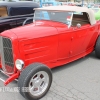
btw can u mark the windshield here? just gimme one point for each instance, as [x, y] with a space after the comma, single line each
[58, 16]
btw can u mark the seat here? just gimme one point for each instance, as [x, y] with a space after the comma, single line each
[81, 19]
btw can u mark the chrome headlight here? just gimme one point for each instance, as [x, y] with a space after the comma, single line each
[19, 64]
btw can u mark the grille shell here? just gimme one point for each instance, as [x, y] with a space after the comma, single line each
[6, 55]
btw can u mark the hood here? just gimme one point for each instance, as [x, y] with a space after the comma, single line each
[37, 29]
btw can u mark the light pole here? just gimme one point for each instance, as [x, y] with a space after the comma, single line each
[40, 3]
[82, 3]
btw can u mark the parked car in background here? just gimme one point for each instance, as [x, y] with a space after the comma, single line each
[90, 5]
[63, 35]
[96, 6]
[13, 14]
[50, 3]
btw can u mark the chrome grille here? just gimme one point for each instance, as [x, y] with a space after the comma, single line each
[6, 55]
[7, 48]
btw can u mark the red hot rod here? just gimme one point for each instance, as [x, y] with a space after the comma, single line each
[58, 35]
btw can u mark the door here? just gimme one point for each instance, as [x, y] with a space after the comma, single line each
[78, 37]
[83, 35]
[64, 45]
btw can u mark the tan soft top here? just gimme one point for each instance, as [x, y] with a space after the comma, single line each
[72, 9]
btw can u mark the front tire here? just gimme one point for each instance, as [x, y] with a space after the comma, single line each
[35, 81]
[97, 48]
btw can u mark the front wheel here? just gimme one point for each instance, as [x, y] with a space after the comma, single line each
[35, 81]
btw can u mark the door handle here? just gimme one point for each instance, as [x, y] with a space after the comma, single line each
[72, 38]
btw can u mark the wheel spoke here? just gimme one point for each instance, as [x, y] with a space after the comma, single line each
[32, 89]
[39, 89]
[38, 76]
[33, 81]
[44, 79]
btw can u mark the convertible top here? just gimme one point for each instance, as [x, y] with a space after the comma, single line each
[19, 4]
[72, 9]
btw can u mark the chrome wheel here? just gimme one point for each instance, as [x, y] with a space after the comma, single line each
[36, 79]
[38, 83]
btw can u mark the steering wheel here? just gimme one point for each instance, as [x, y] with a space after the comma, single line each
[28, 21]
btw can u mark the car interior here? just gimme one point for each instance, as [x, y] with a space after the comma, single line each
[81, 19]
[3, 12]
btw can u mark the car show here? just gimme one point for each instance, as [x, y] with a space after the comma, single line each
[49, 50]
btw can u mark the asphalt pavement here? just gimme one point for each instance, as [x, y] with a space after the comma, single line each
[79, 80]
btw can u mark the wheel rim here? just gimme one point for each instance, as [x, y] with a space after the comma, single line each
[38, 83]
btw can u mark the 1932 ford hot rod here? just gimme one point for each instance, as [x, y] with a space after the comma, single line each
[29, 52]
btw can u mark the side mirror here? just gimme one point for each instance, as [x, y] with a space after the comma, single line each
[78, 25]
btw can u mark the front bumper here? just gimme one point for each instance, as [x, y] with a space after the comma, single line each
[10, 78]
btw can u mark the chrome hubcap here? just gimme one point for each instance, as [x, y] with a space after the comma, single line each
[38, 83]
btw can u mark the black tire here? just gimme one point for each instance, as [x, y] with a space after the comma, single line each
[27, 75]
[97, 48]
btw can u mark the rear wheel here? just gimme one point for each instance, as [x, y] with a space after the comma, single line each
[97, 47]
[35, 81]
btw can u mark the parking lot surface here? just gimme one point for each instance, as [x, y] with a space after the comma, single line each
[79, 80]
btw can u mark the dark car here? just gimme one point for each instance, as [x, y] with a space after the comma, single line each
[13, 14]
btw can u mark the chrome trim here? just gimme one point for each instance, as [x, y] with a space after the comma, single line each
[1, 79]
[4, 72]
[2, 54]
